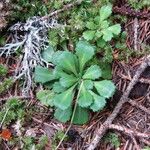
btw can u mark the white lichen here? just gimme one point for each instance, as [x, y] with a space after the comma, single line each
[31, 38]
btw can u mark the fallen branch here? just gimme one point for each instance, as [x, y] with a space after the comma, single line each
[104, 127]
[128, 131]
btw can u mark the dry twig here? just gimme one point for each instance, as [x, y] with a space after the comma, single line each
[146, 142]
[44, 123]
[135, 143]
[17, 97]
[128, 131]
[135, 33]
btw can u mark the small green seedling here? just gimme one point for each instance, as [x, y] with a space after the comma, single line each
[99, 29]
[3, 70]
[112, 138]
[57, 137]
[6, 84]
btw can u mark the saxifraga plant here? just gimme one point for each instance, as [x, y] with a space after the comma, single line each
[100, 29]
[76, 86]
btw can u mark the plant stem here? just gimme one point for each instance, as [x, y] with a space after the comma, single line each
[4, 117]
[75, 106]
[74, 110]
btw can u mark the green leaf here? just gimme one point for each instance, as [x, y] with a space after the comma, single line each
[105, 88]
[89, 35]
[48, 85]
[91, 25]
[45, 97]
[63, 115]
[67, 61]
[58, 88]
[48, 53]
[104, 24]
[55, 57]
[98, 34]
[97, 20]
[85, 98]
[68, 80]
[121, 46]
[108, 54]
[88, 84]
[93, 72]
[58, 72]
[107, 35]
[106, 70]
[81, 116]
[123, 35]
[85, 52]
[101, 43]
[105, 12]
[43, 75]
[115, 29]
[63, 100]
[99, 102]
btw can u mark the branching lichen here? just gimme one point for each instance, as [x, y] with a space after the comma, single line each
[31, 38]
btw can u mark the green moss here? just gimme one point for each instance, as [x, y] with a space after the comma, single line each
[15, 111]
[6, 84]
[3, 70]
[26, 8]
[112, 138]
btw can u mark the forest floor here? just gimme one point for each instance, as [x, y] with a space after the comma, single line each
[124, 124]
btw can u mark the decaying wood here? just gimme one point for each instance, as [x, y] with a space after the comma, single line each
[104, 127]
